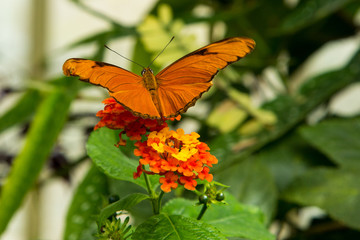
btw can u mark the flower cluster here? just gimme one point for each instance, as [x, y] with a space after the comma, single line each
[177, 157]
[115, 116]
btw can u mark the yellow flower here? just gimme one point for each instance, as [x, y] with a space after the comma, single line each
[159, 147]
[184, 154]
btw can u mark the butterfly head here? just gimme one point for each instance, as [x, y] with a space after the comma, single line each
[147, 71]
[149, 79]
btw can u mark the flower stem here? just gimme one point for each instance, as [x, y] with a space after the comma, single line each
[159, 200]
[203, 210]
[153, 196]
[148, 184]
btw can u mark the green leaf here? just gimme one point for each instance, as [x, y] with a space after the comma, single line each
[173, 227]
[21, 111]
[310, 11]
[183, 207]
[109, 158]
[233, 219]
[337, 191]
[338, 139]
[80, 220]
[49, 119]
[125, 203]
[252, 183]
[238, 220]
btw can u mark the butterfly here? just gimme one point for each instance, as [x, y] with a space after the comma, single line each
[170, 92]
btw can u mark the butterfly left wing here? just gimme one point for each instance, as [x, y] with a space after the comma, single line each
[125, 87]
[184, 81]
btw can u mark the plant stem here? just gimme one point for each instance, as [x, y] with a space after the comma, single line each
[148, 184]
[153, 196]
[159, 200]
[203, 210]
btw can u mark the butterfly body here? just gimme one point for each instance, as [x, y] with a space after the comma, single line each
[149, 79]
[151, 84]
[170, 92]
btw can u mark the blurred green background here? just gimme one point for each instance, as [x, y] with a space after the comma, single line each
[283, 122]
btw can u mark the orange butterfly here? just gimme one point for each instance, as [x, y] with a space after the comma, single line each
[173, 90]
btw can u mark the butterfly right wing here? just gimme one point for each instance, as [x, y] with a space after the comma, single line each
[183, 82]
[125, 87]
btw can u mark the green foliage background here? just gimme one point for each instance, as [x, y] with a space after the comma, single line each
[270, 155]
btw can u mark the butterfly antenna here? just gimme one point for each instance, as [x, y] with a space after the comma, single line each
[162, 51]
[124, 57]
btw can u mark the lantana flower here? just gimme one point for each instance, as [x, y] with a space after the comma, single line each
[179, 158]
[115, 116]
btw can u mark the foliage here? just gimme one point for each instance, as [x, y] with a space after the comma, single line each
[275, 157]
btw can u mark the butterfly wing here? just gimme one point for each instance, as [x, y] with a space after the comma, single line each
[184, 81]
[125, 87]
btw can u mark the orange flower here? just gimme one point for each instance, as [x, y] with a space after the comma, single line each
[173, 153]
[168, 182]
[204, 174]
[188, 182]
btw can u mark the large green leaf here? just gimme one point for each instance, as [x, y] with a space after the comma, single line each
[49, 119]
[252, 183]
[338, 139]
[100, 147]
[233, 219]
[174, 227]
[182, 206]
[337, 191]
[86, 203]
[238, 220]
